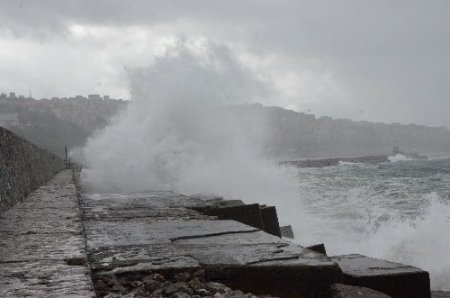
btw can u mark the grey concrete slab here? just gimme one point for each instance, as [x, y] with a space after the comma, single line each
[396, 280]
[249, 214]
[358, 265]
[318, 248]
[287, 232]
[141, 257]
[20, 226]
[143, 200]
[283, 271]
[31, 247]
[280, 254]
[150, 231]
[42, 246]
[118, 213]
[250, 238]
[44, 279]
[270, 220]
[48, 204]
[42, 214]
[132, 234]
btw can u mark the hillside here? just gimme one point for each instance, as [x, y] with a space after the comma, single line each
[293, 135]
[57, 122]
[53, 124]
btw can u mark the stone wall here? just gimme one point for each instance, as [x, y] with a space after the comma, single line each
[23, 168]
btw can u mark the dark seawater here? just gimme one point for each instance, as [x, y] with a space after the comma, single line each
[398, 211]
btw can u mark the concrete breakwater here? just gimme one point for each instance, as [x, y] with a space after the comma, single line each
[328, 162]
[23, 168]
[194, 243]
[64, 242]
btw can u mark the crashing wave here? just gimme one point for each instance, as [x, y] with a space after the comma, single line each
[399, 157]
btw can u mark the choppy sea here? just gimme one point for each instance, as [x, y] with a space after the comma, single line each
[398, 211]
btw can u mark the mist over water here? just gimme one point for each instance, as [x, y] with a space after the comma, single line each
[178, 133]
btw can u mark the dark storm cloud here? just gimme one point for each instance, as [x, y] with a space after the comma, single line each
[389, 57]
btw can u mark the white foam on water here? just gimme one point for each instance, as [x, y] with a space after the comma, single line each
[399, 157]
[368, 229]
[423, 242]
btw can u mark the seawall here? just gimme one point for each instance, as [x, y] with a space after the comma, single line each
[64, 241]
[328, 162]
[23, 168]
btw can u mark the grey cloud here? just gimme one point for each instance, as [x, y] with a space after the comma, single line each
[391, 56]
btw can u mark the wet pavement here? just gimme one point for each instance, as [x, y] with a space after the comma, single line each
[136, 234]
[63, 241]
[42, 245]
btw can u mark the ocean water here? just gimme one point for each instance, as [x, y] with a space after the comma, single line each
[398, 211]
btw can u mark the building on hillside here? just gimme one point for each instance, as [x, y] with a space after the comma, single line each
[94, 97]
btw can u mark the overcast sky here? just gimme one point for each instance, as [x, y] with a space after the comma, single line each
[378, 60]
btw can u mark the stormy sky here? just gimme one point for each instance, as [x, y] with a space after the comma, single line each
[378, 60]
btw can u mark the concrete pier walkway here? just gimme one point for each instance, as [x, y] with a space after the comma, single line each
[65, 242]
[58, 244]
[42, 244]
[130, 236]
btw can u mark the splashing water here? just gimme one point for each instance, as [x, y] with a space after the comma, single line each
[178, 134]
[394, 211]
[399, 157]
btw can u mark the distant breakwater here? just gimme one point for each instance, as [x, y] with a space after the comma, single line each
[328, 162]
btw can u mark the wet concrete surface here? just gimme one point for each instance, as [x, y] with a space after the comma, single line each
[54, 242]
[134, 234]
[42, 246]
[396, 280]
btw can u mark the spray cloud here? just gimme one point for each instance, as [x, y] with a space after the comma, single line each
[180, 134]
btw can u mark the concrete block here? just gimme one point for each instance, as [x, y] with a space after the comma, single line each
[270, 220]
[140, 231]
[250, 238]
[396, 280]
[246, 214]
[278, 281]
[281, 270]
[228, 203]
[320, 248]
[134, 258]
[287, 232]
[120, 214]
[165, 240]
